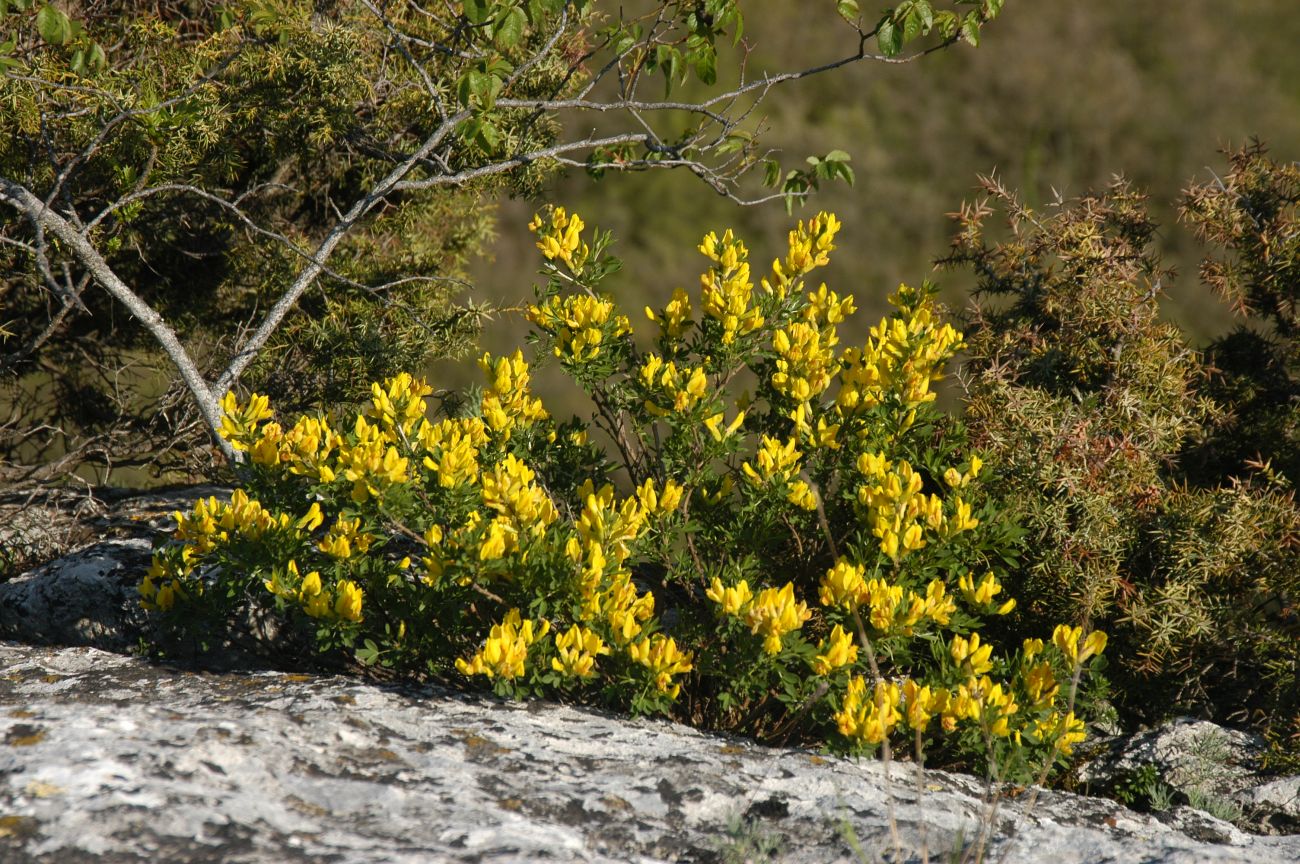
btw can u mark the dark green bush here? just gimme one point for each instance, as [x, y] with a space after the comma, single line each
[1096, 416]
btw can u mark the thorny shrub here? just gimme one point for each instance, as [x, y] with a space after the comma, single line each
[1094, 412]
[810, 558]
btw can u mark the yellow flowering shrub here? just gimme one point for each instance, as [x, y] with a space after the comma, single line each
[812, 560]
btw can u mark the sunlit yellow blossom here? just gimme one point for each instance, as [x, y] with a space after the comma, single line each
[582, 325]
[844, 585]
[982, 595]
[676, 317]
[972, 656]
[1064, 731]
[398, 402]
[1041, 684]
[921, 704]
[505, 652]
[661, 656]
[810, 245]
[578, 649]
[901, 360]
[725, 290]
[775, 613]
[732, 601]
[239, 425]
[669, 389]
[992, 705]
[938, 605]
[507, 402]
[1068, 639]
[347, 601]
[835, 651]
[868, 717]
[345, 537]
[522, 506]
[559, 237]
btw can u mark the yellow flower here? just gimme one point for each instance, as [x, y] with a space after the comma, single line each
[733, 601]
[844, 585]
[868, 718]
[578, 649]
[921, 704]
[1067, 639]
[835, 651]
[1041, 685]
[1064, 731]
[399, 402]
[347, 600]
[775, 613]
[982, 595]
[970, 654]
[675, 319]
[661, 656]
[506, 650]
[938, 605]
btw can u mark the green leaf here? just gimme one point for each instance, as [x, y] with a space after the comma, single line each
[476, 11]
[771, 172]
[889, 38]
[970, 30]
[53, 26]
[78, 62]
[488, 137]
[947, 21]
[911, 25]
[992, 8]
[98, 60]
[848, 10]
[510, 29]
[706, 65]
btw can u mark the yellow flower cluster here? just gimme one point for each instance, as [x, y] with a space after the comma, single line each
[868, 718]
[580, 324]
[835, 651]
[772, 614]
[508, 404]
[981, 596]
[810, 245]
[343, 603]
[373, 463]
[903, 357]
[344, 538]
[399, 402]
[669, 389]
[675, 319]
[726, 294]
[890, 608]
[559, 236]
[452, 447]
[1075, 646]
[212, 523]
[578, 649]
[778, 464]
[664, 659]
[521, 506]
[239, 425]
[505, 652]
[898, 512]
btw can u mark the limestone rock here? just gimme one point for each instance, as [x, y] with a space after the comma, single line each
[88, 596]
[105, 757]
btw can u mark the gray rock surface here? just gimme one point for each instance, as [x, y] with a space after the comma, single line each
[108, 758]
[1215, 769]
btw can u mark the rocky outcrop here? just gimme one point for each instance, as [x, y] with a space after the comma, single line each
[105, 757]
[1216, 770]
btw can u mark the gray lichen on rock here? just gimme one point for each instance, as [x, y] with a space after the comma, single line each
[109, 755]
